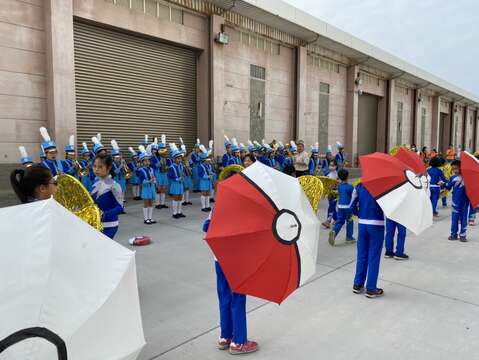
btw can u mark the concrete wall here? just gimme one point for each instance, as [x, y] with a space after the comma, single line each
[23, 106]
[459, 115]
[337, 103]
[426, 103]
[404, 95]
[280, 88]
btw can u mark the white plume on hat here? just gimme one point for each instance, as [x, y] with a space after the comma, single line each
[203, 149]
[163, 139]
[181, 141]
[114, 145]
[98, 136]
[142, 149]
[71, 140]
[155, 141]
[183, 148]
[250, 143]
[339, 145]
[280, 144]
[227, 138]
[173, 147]
[132, 151]
[210, 144]
[241, 145]
[198, 142]
[23, 151]
[234, 142]
[292, 143]
[146, 138]
[45, 135]
[148, 149]
[256, 143]
[85, 146]
[95, 140]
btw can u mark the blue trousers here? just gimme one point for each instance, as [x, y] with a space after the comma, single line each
[472, 214]
[444, 201]
[391, 227]
[110, 231]
[460, 217]
[435, 191]
[332, 215]
[344, 216]
[232, 310]
[370, 244]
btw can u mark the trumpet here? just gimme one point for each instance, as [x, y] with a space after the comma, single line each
[81, 170]
[126, 170]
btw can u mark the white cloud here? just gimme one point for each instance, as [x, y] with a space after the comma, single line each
[438, 36]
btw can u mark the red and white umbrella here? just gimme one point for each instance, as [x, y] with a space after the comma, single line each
[264, 233]
[402, 194]
[470, 173]
[412, 159]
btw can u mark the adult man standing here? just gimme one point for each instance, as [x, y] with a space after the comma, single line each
[301, 160]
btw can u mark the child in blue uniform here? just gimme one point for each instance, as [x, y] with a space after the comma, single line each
[26, 160]
[340, 156]
[460, 203]
[344, 215]
[437, 180]
[332, 201]
[187, 176]
[134, 180]
[50, 148]
[194, 164]
[370, 241]
[205, 174]
[313, 166]
[148, 185]
[161, 173]
[175, 177]
[232, 306]
[33, 183]
[118, 170]
[228, 155]
[391, 227]
[235, 159]
[107, 194]
[85, 163]
[70, 157]
[325, 162]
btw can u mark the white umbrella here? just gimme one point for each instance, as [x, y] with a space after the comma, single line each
[58, 273]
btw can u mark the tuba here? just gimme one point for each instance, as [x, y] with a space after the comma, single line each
[74, 197]
[81, 170]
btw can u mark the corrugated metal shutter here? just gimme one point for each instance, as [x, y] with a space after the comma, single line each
[128, 86]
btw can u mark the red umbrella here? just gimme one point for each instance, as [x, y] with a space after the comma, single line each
[412, 160]
[400, 192]
[264, 238]
[470, 173]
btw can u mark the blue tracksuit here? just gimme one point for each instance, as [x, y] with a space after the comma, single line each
[391, 227]
[460, 205]
[344, 214]
[232, 306]
[108, 196]
[370, 237]
[436, 175]
[472, 214]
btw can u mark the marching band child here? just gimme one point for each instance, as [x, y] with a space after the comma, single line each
[107, 194]
[175, 177]
[370, 242]
[50, 149]
[228, 154]
[118, 168]
[332, 215]
[98, 148]
[187, 179]
[325, 162]
[194, 164]
[340, 156]
[344, 214]
[161, 173]
[243, 151]
[443, 194]
[205, 175]
[70, 157]
[437, 180]
[33, 183]
[460, 203]
[147, 182]
[214, 176]
[313, 167]
[25, 159]
[280, 158]
[85, 163]
[235, 158]
[391, 227]
[134, 180]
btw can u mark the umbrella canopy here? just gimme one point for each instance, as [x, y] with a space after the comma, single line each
[401, 193]
[412, 160]
[264, 233]
[63, 281]
[470, 173]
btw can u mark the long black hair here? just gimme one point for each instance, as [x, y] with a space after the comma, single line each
[25, 181]
[106, 160]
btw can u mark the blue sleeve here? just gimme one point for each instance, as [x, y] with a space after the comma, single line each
[449, 184]
[206, 225]
[140, 175]
[355, 202]
[311, 167]
[442, 177]
[224, 160]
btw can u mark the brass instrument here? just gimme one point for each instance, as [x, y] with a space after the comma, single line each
[329, 185]
[81, 170]
[313, 189]
[163, 167]
[228, 170]
[126, 170]
[447, 170]
[187, 166]
[74, 197]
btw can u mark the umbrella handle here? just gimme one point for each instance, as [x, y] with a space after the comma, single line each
[44, 333]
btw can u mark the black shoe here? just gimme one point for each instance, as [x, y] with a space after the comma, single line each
[401, 257]
[205, 210]
[137, 198]
[123, 212]
[389, 255]
[462, 239]
[452, 237]
[212, 200]
[147, 222]
[158, 207]
[374, 293]
[181, 215]
[196, 191]
[184, 203]
[208, 208]
[152, 221]
[189, 203]
[358, 289]
[164, 206]
[175, 216]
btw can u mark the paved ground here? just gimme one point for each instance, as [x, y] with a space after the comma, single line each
[430, 310]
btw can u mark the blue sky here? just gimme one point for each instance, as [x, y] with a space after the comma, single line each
[441, 37]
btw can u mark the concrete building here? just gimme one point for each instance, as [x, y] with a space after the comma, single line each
[131, 67]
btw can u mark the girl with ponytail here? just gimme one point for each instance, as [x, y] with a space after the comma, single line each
[33, 183]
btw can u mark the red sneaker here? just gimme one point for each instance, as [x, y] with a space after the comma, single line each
[223, 344]
[238, 349]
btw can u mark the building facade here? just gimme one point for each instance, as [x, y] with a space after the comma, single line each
[126, 68]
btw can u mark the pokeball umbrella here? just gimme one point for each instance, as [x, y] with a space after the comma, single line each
[67, 290]
[264, 233]
[470, 173]
[411, 159]
[402, 194]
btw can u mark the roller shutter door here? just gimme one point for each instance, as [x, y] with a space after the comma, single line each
[128, 86]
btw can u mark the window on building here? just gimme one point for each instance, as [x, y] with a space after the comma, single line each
[323, 118]
[399, 123]
[258, 72]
